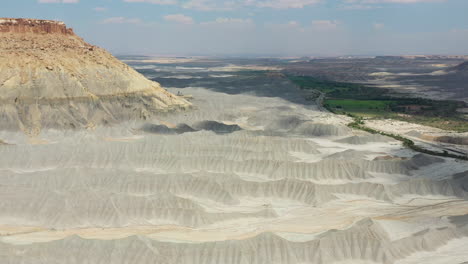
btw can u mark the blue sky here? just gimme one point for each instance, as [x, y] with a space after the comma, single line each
[260, 27]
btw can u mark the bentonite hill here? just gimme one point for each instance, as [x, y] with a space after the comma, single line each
[254, 173]
[50, 77]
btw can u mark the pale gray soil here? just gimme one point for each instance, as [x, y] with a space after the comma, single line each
[247, 176]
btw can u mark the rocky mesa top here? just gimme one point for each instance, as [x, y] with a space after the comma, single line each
[22, 25]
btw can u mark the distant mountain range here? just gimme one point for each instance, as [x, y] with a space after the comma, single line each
[424, 57]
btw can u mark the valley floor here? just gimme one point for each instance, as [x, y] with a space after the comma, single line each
[246, 177]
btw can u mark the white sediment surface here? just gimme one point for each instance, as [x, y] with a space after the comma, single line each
[260, 180]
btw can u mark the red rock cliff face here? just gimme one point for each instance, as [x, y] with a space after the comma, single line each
[19, 25]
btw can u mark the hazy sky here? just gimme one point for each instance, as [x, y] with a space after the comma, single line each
[260, 27]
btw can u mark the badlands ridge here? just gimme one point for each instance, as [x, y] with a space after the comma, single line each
[255, 174]
[50, 77]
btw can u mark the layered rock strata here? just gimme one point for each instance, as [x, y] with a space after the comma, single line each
[50, 77]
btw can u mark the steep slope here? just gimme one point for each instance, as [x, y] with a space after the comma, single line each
[50, 77]
[461, 68]
[292, 185]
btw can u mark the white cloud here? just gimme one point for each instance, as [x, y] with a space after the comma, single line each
[236, 38]
[401, 1]
[121, 20]
[156, 2]
[179, 18]
[211, 5]
[224, 20]
[378, 26]
[359, 7]
[293, 23]
[325, 25]
[58, 1]
[229, 21]
[224, 5]
[370, 4]
[282, 4]
[100, 9]
[289, 26]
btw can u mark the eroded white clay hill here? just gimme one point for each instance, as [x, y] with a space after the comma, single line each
[242, 179]
[253, 175]
[50, 77]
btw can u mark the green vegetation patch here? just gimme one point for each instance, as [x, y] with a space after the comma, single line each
[370, 102]
[338, 90]
[368, 108]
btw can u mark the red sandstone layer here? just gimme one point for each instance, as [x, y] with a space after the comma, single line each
[19, 25]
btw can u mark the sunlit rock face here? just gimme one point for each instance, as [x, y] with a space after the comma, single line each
[51, 78]
[240, 178]
[37, 26]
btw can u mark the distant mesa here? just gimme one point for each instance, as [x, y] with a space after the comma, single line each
[19, 25]
[423, 57]
[51, 78]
